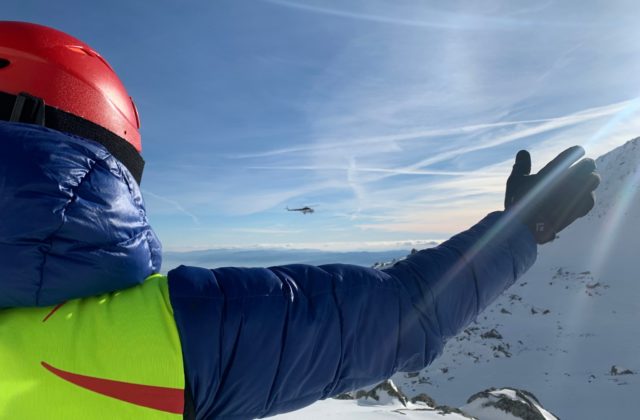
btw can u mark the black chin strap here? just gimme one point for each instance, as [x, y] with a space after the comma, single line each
[32, 110]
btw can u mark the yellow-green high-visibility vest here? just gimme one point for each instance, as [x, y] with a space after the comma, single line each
[114, 356]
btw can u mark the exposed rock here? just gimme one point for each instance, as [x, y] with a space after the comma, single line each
[518, 403]
[345, 396]
[445, 409]
[501, 349]
[493, 333]
[615, 371]
[471, 330]
[384, 391]
[425, 399]
[514, 297]
[485, 405]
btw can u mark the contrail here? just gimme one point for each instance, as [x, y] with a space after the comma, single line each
[562, 121]
[175, 204]
[374, 170]
[548, 125]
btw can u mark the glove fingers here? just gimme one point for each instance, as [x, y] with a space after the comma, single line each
[593, 181]
[563, 161]
[582, 169]
[586, 204]
[580, 178]
[573, 208]
[523, 164]
[515, 183]
[560, 193]
[586, 165]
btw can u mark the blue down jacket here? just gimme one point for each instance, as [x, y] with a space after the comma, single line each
[255, 341]
[72, 219]
[262, 341]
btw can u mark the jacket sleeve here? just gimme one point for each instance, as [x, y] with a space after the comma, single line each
[262, 341]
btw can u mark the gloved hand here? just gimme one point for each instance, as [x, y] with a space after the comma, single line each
[555, 197]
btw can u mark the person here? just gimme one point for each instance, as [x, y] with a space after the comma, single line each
[88, 329]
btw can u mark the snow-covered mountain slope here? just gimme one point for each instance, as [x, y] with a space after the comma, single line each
[568, 331]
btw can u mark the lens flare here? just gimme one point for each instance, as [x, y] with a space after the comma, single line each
[614, 220]
[621, 202]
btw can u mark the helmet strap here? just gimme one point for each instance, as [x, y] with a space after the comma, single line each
[28, 109]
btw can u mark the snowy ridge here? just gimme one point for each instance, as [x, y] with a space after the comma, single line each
[567, 331]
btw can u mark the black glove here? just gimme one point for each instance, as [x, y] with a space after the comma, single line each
[555, 197]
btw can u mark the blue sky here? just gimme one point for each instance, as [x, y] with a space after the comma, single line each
[398, 119]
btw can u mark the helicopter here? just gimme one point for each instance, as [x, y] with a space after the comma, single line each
[303, 210]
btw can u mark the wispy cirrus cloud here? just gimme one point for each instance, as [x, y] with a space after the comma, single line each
[344, 168]
[399, 119]
[434, 18]
[543, 124]
[396, 120]
[528, 131]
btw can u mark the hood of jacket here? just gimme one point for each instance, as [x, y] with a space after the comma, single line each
[72, 219]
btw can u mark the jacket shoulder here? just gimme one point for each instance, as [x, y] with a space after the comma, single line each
[74, 221]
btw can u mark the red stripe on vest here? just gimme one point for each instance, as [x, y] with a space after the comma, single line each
[160, 398]
[53, 311]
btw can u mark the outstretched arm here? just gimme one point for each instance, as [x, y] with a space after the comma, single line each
[258, 342]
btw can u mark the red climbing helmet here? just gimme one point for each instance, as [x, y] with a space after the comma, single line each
[68, 75]
[53, 79]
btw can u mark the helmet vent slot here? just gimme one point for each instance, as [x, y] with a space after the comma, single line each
[4, 63]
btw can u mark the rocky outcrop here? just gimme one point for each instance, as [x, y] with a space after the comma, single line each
[520, 404]
[484, 405]
[384, 392]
